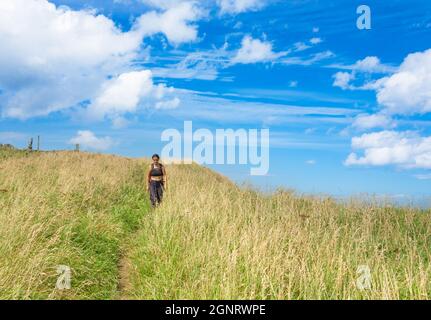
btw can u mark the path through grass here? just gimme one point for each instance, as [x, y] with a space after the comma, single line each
[210, 239]
[65, 208]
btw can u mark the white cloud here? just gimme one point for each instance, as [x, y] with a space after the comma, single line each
[255, 50]
[307, 61]
[205, 65]
[366, 121]
[371, 65]
[321, 56]
[239, 6]
[169, 104]
[404, 149]
[120, 122]
[88, 140]
[125, 94]
[315, 41]
[210, 106]
[202, 65]
[343, 79]
[368, 65]
[311, 162]
[301, 46]
[174, 23]
[408, 91]
[53, 58]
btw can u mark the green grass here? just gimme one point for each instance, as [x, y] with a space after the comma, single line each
[8, 152]
[84, 227]
[213, 240]
[210, 239]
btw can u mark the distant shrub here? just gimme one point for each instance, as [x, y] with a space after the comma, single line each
[7, 147]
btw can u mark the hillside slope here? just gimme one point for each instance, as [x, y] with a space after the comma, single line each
[214, 240]
[209, 239]
[65, 208]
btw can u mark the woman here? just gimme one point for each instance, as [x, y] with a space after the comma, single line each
[157, 180]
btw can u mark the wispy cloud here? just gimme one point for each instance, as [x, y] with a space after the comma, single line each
[426, 176]
[212, 107]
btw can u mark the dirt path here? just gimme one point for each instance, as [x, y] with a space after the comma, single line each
[124, 265]
[124, 285]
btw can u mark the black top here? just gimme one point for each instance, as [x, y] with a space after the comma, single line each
[156, 171]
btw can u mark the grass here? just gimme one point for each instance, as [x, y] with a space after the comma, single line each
[66, 209]
[214, 240]
[210, 239]
[7, 151]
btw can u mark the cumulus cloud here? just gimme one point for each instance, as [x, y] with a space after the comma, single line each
[53, 58]
[175, 23]
[255, 50]
[239, 6]
[88, 140]
[343, 79]
[371, 65]
[404, 149]
[125, 93]
[365, 121]
[367, 66]
[408, 91]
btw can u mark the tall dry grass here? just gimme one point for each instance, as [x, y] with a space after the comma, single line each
[65, 208]
[213, 240]
[210, 239]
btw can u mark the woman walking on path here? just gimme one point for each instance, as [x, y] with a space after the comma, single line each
[157, 180]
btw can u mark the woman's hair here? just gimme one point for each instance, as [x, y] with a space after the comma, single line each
[155, 156]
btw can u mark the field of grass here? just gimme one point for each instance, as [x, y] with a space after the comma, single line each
[209, 240]
[71, 209]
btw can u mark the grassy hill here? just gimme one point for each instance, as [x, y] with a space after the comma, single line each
[209, 239]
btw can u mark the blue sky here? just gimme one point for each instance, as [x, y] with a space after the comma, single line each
[348, 109]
